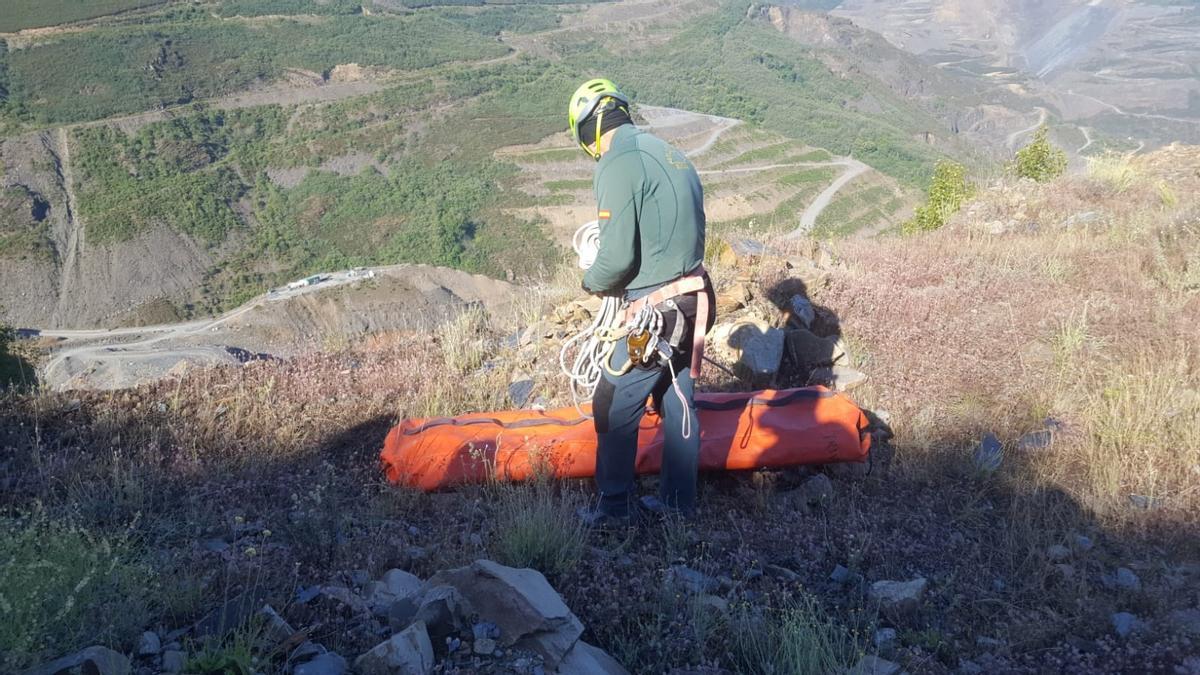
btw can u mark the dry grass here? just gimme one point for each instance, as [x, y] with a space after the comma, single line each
[1081, 314]
[1084, 312]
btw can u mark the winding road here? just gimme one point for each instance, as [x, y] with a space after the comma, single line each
[1011, 142]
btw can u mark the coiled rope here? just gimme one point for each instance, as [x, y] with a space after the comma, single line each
[594, 345]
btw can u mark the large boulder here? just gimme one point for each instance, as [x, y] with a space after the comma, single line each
[408, 652]
[754, 345]
[528, 611]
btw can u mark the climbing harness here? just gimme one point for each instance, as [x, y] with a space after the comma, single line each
[640, 324]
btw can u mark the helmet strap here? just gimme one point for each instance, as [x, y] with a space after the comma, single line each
[599, 133]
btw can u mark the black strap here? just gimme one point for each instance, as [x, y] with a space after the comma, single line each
[732, 404]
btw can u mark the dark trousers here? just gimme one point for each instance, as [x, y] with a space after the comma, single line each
[618, 406]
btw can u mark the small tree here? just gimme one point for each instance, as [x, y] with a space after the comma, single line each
[1041, 160]
[947, 192]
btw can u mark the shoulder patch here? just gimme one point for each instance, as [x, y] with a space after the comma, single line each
[605, 214]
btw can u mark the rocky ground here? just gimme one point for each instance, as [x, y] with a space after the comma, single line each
[1034, 512]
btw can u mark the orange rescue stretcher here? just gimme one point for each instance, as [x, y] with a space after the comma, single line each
[741, 431]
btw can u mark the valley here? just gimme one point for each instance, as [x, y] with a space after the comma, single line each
[1110, 65]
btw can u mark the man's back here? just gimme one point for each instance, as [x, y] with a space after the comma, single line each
[651, 214]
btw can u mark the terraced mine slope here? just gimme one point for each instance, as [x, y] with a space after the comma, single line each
[752, 177]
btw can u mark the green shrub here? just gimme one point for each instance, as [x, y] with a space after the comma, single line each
[536, 527]
[63, 587]
[1041, 160]
[947, 192]
[800, 638]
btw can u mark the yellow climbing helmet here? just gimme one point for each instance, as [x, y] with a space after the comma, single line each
[598, 94]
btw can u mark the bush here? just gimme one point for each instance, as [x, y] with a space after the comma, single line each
[536, 527]
[949, 189]
[1041, 160]
[797, 639]
[63, 587]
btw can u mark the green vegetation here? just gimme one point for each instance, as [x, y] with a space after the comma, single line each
[536, 526]
[22, 14]
[1041, 160]
[289, 7]
[569, 185]
[185, 173]
[800, 638]
[511, 19]
[135, 68]
[728, 65]
[947, 192]
[63, 587]
[23, 227]
[856, 209]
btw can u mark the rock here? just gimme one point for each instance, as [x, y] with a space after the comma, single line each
[1083, 544]
[690, 580]
[873, 665]
[584, 659]
[528, 611]
[347, 597]
[519, 392]
[1058, 553]
[1185, 621]
[1126, 624]
[715, 603]
[442, 609]
[1127, 580]
[1145, 503]
[275, 629]
[329, 663]
[1038, 440]
[815, 491]
[93, 661]
[803, 312]
[394, 585]
[741, 251]
[733, 298]
[149, 644]
[1189, 666]
[898, 596]
[485, 646]
[840, 378]
[807, 350]
[840, 575]
[781, 572]
[408, 652]
[485, 629]
[886, 640]
[752, 344]
[173, 661]
[988, 454]
[307, 651]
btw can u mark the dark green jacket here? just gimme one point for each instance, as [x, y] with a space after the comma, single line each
[651, 209]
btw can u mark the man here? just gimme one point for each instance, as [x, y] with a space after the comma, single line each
[651, 214]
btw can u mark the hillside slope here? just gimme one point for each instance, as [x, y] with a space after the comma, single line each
[197, 174]
[1036, 508]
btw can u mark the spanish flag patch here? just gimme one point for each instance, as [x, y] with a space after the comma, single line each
[605, 215]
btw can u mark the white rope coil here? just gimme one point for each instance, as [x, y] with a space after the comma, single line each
[592, 352]
[594, 345]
